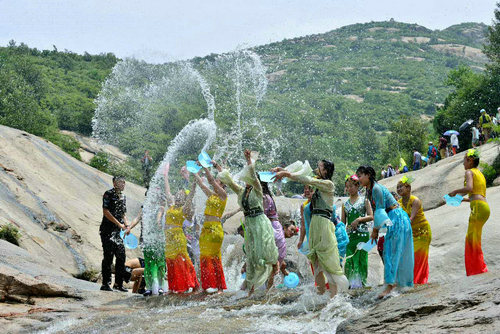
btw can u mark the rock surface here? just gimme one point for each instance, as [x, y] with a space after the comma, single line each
[467, 305]
[55, 201]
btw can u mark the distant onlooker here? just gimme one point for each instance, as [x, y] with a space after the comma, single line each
[486, 124]
[390, 171]
[498, 115]
[454, 143]
[431, 153]
[475, 137]
[402, 166]
[383, 173]
[147, 166]
[442, 147]
[417, 158]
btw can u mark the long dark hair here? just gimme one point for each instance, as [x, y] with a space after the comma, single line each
[330, 168]
[265, 187]
[368, 170]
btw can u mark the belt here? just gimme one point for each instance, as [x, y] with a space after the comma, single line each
[395, 206]
[253, 212]
[322, 212]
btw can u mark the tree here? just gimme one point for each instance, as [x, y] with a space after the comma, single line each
[492, 50]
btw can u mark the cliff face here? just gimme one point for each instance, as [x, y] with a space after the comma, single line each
[55, 200]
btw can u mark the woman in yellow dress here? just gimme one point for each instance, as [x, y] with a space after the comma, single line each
[475, 187]
[421, 229]
[180, 270]
[212, 234]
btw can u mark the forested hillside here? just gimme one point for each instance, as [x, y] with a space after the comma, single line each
[337, 94]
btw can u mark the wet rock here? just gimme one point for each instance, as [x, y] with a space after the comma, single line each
[466, 305]
[12, 282]
[25, 274]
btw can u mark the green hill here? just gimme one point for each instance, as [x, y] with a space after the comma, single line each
[329, 95]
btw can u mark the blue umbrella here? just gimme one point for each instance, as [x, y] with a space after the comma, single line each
[451, 132]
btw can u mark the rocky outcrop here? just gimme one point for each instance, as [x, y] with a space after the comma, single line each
[467, 305]
[464, 51]
[28, 275]
[55, 201]
[89, 147]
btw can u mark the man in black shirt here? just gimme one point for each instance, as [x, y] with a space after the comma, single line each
[113, 221]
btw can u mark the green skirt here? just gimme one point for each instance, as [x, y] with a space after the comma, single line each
[323, 245]
[356, 267]
[261, 250]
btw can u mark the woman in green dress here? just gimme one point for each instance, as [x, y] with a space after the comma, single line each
[261, 251]
[323, 250]
[356, 213]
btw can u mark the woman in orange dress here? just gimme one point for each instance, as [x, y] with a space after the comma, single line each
[421, 229]
[475, 187]
[180, 270]
[212, 234]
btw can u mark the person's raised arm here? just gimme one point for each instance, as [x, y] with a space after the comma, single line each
[188, 209]
[159, 215]
[251, 175]
[170, 197]
[217, 188]
[202, 185]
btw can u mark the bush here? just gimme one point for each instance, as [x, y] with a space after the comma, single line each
[10, 233]
[88, 275]
[67, 143]
[491, 172]
[100, 161]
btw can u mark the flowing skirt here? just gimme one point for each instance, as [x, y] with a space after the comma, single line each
[279, 238]
[212, 273]
[422, 237]
[154, 267]
[398, 250]
[356, 267]
[323, 250]
[261, 250]
[181, 274]
[474, 260]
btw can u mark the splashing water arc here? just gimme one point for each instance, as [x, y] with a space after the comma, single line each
[132, 93]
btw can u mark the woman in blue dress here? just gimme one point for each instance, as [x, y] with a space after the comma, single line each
[398, 244]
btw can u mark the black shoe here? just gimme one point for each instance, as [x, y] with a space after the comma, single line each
[161, 292]
[106, 287]
[147, 293]
[120, 288]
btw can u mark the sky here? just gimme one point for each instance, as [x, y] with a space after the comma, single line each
[166, 30]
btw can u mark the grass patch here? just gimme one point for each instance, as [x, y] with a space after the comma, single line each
[10, 233]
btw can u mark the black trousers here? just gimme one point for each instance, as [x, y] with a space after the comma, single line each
[112, 245]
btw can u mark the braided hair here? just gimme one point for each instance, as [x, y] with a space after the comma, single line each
[368, 170]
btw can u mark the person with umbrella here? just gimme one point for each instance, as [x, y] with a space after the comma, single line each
[454, 143]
